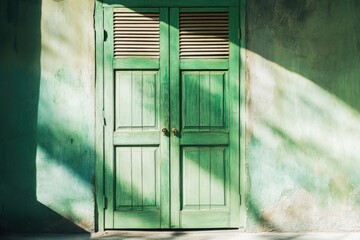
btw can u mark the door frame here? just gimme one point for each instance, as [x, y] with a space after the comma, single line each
[100, 121]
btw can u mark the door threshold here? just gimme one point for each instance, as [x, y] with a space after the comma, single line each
[165, 233]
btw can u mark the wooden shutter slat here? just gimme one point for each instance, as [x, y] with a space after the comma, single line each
[129, 54]
[134, 43]
[200, 41]
[203, 53]
[128, 29]
[136, 25]
[203, 46]
[134, 49]
[203, 18]
[136, 14]
[127, 22]
[141, 36]
[202, 32]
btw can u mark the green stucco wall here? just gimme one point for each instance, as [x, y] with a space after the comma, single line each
[303, 121]
[47, 122]
[302, 115]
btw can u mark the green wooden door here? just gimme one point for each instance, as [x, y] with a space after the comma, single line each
[171, 106]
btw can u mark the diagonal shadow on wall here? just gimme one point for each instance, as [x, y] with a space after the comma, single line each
[20, 47]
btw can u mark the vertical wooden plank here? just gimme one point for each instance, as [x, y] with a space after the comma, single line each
[99, 128]
[205, 173]
[136, 176]
[234, 126]
[205, 96]
[164, 119]
[136, 99]
[190, 178]
[149, 176]
[191, 98]
[123, 176]
[149, 109]
[175, 117]
[217, 98]
[217, 177]
[123, 99]
[109, 116]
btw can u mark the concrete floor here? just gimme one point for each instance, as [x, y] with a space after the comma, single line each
[187, 235]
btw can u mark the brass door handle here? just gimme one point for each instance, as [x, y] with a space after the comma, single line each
[165, 131]
[175, 131]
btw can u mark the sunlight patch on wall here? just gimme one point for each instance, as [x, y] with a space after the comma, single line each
[61, 190]
[65, 158]
[304, 142]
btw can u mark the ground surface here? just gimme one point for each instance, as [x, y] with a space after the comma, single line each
[186, 235]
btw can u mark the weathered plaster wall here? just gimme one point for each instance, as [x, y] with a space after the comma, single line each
[47, 120]
[65, 152]
[303, 122]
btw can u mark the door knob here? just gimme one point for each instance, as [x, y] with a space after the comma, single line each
[174, 131]
[165, 131]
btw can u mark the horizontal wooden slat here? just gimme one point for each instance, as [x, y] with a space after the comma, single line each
[202, 53]
[204, 138]
[200, 22]
[206, 50]
[121, 43]
[210, 36]
[197, 45]
[204, 57]
[123, 46]
[132, 22]
[138, 14]
[137, 28]
[136, 49]
[213, 219]
[136, 34]
[138, 25]
[136, 63]
[136, 138]
[203, 14]
[145, 37]
[210, 64]
[137, 54]
[203, 32]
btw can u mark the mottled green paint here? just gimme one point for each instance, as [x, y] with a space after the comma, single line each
[303, 115]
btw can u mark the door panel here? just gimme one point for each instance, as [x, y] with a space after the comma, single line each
[205, 187]
[136, 100]
[137, 187]
[204, 178]
[137, 178]
[203, 102]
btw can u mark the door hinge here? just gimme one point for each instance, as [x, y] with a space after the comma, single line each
[239, 33]
[104, 202]
[104, 119]
[105, 35]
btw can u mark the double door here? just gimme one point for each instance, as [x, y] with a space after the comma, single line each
[171, 101]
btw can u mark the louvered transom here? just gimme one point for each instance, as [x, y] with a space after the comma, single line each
[136, 34]
[204, 35]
